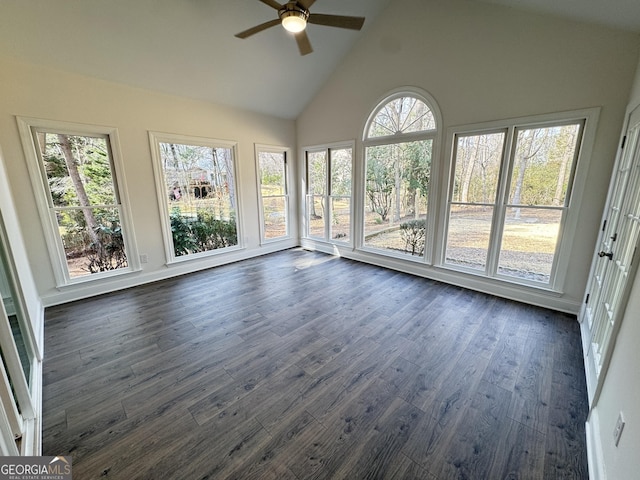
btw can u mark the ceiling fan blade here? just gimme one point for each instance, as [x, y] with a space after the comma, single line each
[272, 4]
[306, 3]
[304, 45]
[340, 21]
[258, 28]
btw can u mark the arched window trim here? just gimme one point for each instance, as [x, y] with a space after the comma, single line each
[435, 188]
[414, 92]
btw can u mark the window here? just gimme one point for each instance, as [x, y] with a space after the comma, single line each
[196, 184]
[510, 197]
[478, 158]
[75, 176]
[274, 195]
[328, 212]
[399, 144]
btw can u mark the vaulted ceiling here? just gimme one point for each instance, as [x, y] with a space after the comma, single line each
[188, 48]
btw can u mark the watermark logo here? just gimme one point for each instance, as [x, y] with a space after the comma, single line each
[35, 468]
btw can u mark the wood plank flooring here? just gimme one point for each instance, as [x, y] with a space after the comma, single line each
[300, 365]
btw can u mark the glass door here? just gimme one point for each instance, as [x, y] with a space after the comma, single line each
[613, 266]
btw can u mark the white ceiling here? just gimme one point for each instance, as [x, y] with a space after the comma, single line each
[620, 14]
[187, 47]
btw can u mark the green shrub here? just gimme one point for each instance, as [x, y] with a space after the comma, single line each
[413, 233]
[108, 253]
[201, 234]
[183, 242]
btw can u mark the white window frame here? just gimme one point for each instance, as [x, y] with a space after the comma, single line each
[569, 220]
[28, 128]
[328, 197]
[433, 135]
[286, 152]
[155, 138]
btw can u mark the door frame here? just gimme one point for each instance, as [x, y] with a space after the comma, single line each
[595, 379]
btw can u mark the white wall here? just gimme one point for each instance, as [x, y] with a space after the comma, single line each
[32, 91]
[16, 249]
[621, 388]
[484, 62]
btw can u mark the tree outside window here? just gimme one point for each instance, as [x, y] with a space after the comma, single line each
[84, 200]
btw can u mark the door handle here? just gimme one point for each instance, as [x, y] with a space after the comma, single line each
[604, 254]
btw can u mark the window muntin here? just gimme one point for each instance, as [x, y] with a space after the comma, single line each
[399, 144]
[196, 180]
[519, 235]
[86, 231]
[274, 197]
[329, 191]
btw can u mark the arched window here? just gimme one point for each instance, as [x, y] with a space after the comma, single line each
[399, 141]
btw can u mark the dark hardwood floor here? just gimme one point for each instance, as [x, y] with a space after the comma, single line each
[300, 365]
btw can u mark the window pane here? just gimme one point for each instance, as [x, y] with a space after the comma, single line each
[402, 115]
[10, 300]
[82, 192]
[529, 243]
[78, 169]
[397, 186]
[341, 171]
[272, 173]
[468, 235]
[275, 217]
[200, 185]
[543, 164]
[341, 218]
[273, 188]
[315, 216]
[477, 168]
[92, 240]
[317, 173]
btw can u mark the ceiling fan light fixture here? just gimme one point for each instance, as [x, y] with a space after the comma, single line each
[294, 21]
[294, 16]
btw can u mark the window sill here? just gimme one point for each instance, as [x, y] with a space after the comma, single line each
[203, 255]
[96, 277]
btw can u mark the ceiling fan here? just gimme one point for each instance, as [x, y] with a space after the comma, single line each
[294, 16]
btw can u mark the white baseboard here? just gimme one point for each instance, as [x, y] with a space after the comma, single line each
[98, 287]
[594, 448]
[521, 293]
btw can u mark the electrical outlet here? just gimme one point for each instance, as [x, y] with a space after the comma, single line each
[144, 258]
[617, 432]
